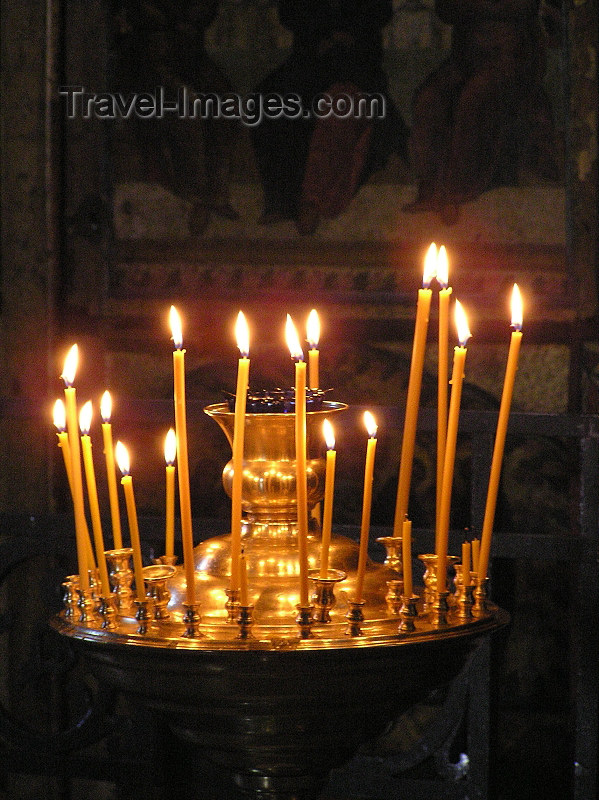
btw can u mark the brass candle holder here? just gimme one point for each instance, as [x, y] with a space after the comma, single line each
[70, 597]
[464, 595]
[480, 607]
[121, 577]
[393, 556]
[393, 598]
[143, 615]
[156, 577]
[205, 667]
[191, 620]
[232, 604]
[430, 577]
[108, 612]
[245, 620]
[355, 616]
[323, 593]
[304, 621]
[86, 606]
[439, 610]
[408, 613]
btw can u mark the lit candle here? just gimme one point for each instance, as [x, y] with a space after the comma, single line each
[85, 421]
[502, 422]
[443, 370]
[406, 547]
[170, 454]
[466, 550]
[413, 396]
[313, 337]
[329, 489]
[457, 379]
[300, 455]
[371, 427]
[243, 580]
[182, 458]
[475, 554]
[122, 457]
[243, 370]
[115, 517]
[60, 422]
[68, 376]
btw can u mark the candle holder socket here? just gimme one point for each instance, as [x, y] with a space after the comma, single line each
[168, 561]
[108, 612]
[232, 604]
[464, 595]
[143, 615]
[304, 621]
[245, 620]
[156, 577]
[408, 613]
[86, 605]
[439, 610]
[354, 617]
[70, 596]
[192, 619]
[121, 577]
[480, 607]
[430, 577]
[393, 598]
[393, 549]
[323, 593]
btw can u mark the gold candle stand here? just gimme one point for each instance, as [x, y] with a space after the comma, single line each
[323, 593]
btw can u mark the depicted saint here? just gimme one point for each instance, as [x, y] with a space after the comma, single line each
[160, 43]
[473, 114]
[311, 168]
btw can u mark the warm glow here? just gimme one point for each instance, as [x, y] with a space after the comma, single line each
[122, 458]
[170, 447]
[329, 435]
[85, 417]
[313, 329]
[70, 366]
[59, 415]
[516, 308]
[106, 406]
[176, 329]
[442, 267]
[370, 423]
[293, 342]
[242, 334]
[461, 323]
[430, 265]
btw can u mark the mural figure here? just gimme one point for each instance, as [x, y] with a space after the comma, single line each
[160, 43]
[472, 114]
[312, 168]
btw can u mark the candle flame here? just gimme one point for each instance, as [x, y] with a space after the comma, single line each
[85, 417]
[370, 423]
[122, 457]
[59, 415]
[70, 366]
[442, 267]
[242, 333]
[329, 435]
[293, 342]
[313, 329]
[176, 329]
[430, 265]
[170, 447]
[461, 323]
[516, 308]
[106, 406]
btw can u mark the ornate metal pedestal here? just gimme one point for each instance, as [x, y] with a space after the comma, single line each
[278, 707]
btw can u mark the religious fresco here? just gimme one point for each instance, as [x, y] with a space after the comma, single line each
[429, 166]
